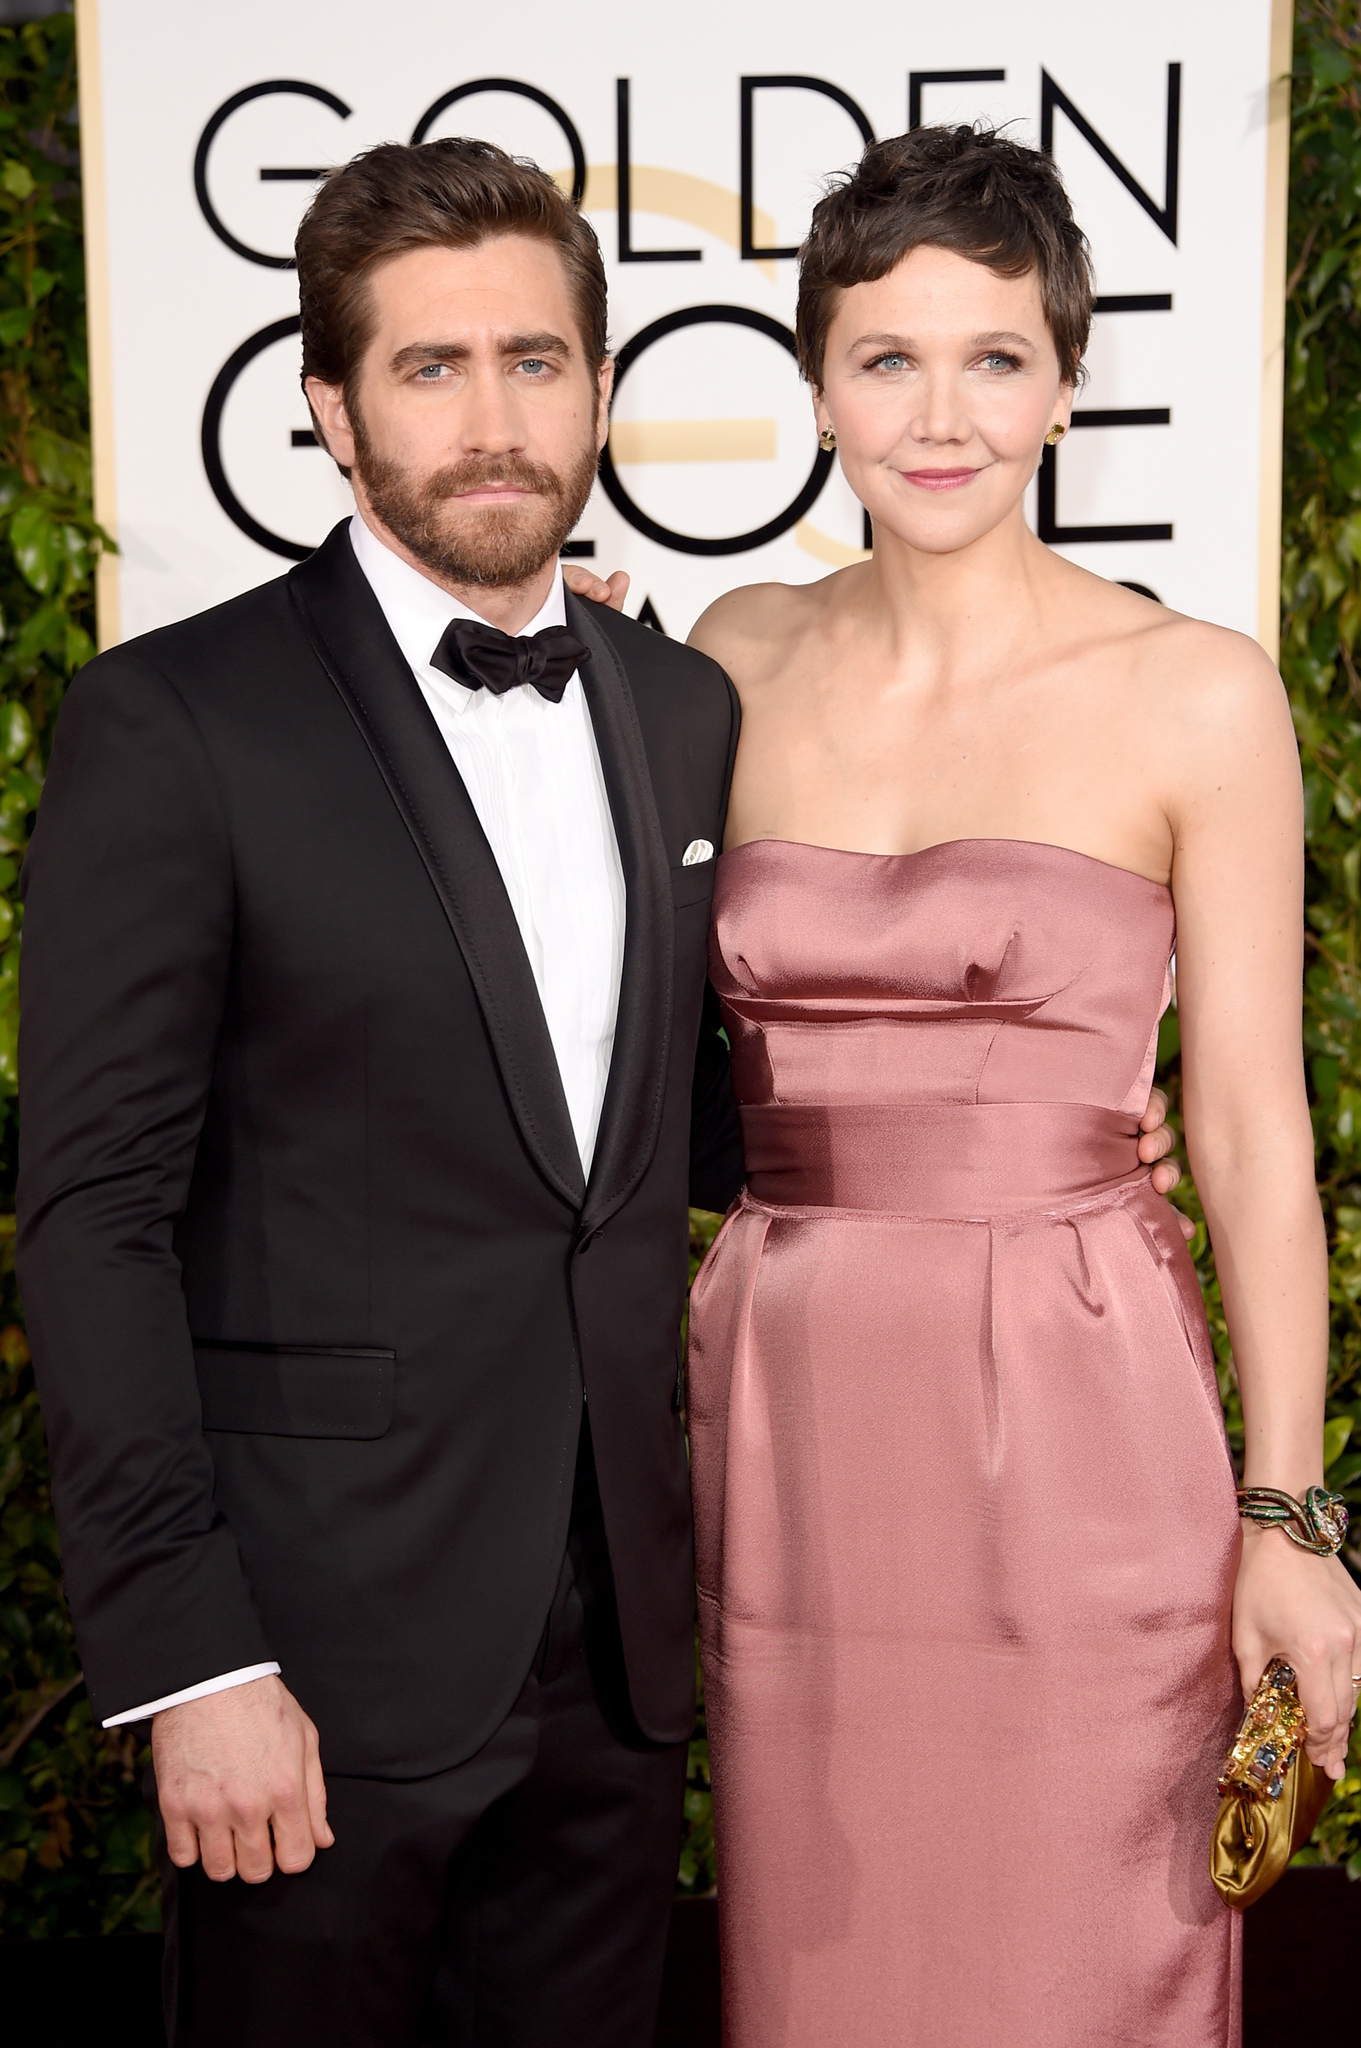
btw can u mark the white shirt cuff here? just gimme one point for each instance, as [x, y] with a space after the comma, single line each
[193, 1692]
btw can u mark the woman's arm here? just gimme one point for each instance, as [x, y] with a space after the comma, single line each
[1238, 870]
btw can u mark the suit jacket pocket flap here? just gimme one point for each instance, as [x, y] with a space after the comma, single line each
[693, 884]
[302, 1390]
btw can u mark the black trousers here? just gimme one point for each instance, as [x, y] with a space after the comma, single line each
[519, 1900]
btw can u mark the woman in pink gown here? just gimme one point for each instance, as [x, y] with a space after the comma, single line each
[975, 1605]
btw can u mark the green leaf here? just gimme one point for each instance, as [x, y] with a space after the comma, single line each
[1318, 802]
[1335, 1435]
[37, 545]
[1331, 65]
[1351, 871]
[15, 324]
[63, 465]
[16, 734]
[1169, 1040]
[17, 179]
[41, 633]
[77, 648]
[20, 788]
[1349, 537]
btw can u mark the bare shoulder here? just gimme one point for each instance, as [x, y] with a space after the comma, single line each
[750, 631]
[1211, 680]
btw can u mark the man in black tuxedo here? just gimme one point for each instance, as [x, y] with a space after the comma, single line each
[366, 1055]
[364, 974]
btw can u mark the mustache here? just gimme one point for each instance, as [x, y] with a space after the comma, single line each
[476, 472]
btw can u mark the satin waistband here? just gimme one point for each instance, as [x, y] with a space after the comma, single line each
[937, 1159]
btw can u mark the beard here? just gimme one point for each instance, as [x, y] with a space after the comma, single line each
[494, 546]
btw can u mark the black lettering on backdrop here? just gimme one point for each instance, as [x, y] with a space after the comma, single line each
[684, 543]
[209, 136]
[917, 79]
[624, 195]
[210, 439]
[1047, 510]
[1052, 96]
[750, 87]
[1132, 302]
[525, 92]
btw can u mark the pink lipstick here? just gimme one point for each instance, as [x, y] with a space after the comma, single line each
[938, 479]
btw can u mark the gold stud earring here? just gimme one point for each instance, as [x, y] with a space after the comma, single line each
[827, 440]
[1055, 435]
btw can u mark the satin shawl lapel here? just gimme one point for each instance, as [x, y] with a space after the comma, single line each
[344, 622]
[632, 1112]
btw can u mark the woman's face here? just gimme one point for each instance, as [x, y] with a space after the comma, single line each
[941, 381]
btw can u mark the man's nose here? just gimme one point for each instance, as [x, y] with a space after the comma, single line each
[493, 423]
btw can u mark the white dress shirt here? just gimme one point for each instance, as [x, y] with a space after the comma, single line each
[533, 773]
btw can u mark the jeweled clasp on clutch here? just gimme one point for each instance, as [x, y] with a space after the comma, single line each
[1270, 1737]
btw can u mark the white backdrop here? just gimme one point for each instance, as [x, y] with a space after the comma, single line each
[715, 123]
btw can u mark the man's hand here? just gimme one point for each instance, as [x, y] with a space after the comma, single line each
[610, 590]
[1155, 1142]
[239, 1783]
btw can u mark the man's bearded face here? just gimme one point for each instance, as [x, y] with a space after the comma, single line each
[494, 546]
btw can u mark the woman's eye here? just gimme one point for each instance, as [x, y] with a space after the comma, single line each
[997, 360]
[891, 361]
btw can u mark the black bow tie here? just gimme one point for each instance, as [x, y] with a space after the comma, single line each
[484, 658]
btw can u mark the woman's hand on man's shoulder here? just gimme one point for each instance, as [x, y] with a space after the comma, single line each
[610, 590]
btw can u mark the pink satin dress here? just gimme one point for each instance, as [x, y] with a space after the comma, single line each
[965, 1513]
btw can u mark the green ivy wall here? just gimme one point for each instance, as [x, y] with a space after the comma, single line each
[75, 1842]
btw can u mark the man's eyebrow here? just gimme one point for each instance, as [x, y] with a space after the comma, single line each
[419, 352]
[544, 344]
[429, 352]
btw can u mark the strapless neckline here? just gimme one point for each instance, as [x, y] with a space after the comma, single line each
[949, 845]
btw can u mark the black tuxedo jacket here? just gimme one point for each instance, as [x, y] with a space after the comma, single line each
[313, 1282]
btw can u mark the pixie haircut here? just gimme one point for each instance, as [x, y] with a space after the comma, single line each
[452, 194]
[966, 189]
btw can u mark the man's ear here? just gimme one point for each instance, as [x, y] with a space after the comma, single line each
[605, 382]
[331, 421]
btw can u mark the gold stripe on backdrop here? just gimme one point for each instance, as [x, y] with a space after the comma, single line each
[98, 310]
[693, 440]
[1273, 326]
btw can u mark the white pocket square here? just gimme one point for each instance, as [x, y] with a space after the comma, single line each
[695, 852]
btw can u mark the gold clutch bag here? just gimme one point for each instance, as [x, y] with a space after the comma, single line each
[1272, 1794]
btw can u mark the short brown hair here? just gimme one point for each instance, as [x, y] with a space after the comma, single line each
[967, 189]
[451, 194]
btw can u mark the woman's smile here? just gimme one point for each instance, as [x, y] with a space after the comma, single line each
[938, 479]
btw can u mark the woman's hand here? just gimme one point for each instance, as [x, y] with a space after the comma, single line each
[1288, 1603]
[1155, 1142]
[610, 590]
